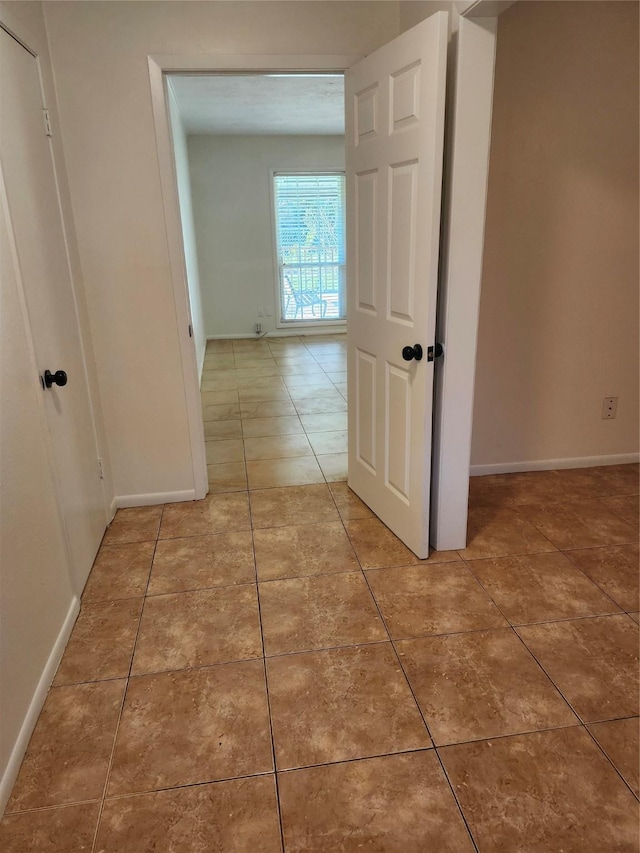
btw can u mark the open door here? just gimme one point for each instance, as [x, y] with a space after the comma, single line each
[394, 143]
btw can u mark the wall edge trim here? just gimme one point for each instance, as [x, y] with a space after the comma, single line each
[551, 464]
[281, 333]
[10, 773]
[154, 498]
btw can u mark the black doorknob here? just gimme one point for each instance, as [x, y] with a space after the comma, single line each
[412, 352]
[57, 378]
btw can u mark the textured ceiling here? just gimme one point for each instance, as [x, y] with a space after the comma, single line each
[253, 104]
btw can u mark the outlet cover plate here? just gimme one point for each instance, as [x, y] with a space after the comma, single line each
[609, 408]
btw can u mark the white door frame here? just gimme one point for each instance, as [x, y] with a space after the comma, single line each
[159, 67]
[450, 484]
[467, 141]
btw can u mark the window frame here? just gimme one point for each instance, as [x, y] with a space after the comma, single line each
[316, 322]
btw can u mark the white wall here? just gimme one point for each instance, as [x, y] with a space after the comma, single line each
[99, 52]
[559, 306]
[188, 228]
[234, 223]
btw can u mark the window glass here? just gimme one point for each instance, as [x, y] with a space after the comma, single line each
[310, 242]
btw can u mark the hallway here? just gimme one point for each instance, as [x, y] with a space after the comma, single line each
[407, 706]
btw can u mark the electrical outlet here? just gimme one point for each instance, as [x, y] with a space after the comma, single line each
[260, 312]
[609, 408]
[268, 312]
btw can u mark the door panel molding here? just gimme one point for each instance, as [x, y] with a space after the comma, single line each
[394, 103]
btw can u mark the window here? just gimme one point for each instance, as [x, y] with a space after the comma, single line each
[310, 245]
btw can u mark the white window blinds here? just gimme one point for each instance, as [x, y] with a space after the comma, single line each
[310, 238]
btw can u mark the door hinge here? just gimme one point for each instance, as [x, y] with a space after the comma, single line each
[434, 352]
[47, 122]
[190, 330]
[100, 469]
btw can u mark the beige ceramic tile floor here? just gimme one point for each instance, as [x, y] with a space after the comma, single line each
[271, 669]
[275, 413]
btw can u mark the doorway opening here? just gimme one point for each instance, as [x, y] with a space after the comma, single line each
[395, 95]
[259, 161]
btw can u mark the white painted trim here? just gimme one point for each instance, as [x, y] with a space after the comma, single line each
[241, 337]
[113, 506]
[294, 324]
[277, 295]
[17, 30]
[177, 263]
[554, 464]
[35, 706]
[159, 66]
[154, 498]
[471, 72]
[487, 8]
[282, 333]
[223, 62]
[300, 326]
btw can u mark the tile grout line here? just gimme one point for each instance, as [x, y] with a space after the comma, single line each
[519, 509]
[392, 642]
[604, 752]
[124, 693]
[290, 400]
[515, 631]
[512, 627]
[539, 621]
[264, 672]
[582, 723]
[435, 746]
[567, 554]
[265, 773]
[186, 785]
[508, 626]
[417, 704]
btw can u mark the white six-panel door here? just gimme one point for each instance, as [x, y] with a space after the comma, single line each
[394, 140]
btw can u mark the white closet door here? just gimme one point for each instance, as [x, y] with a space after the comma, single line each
[36, 223]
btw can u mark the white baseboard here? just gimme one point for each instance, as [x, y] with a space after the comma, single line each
[284, 333]
[302, 331]
[10, 772]
[113, 506]
[552, 464]
[123, 501]
[234, 337]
